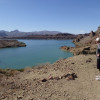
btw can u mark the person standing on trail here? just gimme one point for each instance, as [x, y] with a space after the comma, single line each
[98, 56]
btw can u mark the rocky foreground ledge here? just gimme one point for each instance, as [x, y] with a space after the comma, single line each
[53, 81]
[11, 43]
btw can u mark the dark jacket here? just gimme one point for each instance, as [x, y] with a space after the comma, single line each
[98, 52]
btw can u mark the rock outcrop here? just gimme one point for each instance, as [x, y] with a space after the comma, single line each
[88, 39]
[85, 44]
[81, 50]
[11, 43]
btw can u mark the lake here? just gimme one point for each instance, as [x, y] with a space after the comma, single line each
[36, 52]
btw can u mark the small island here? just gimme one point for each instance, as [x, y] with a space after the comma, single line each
[11, 43]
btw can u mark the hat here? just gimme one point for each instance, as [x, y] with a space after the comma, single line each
[97, 39]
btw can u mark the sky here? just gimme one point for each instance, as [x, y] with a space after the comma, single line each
[71, 16]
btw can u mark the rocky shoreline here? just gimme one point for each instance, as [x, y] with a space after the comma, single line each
[80, 50]
[11, 43]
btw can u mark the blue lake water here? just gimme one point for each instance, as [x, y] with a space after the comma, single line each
[36, 52]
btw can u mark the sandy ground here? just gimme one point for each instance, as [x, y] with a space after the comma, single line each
[28, 85]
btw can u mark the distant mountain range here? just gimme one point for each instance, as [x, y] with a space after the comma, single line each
[16, 34]
[3, 34]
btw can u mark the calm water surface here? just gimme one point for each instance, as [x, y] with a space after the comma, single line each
[36, 52]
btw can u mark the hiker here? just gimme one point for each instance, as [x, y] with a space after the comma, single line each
[98, 56]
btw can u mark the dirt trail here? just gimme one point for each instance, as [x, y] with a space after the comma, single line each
[28, 85]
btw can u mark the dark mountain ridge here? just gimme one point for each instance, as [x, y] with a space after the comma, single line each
[36, 35]
[17, 33]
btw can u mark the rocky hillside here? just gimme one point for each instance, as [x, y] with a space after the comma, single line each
[87, 39]
[85, 44]
[53, 81]
[11, 43]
